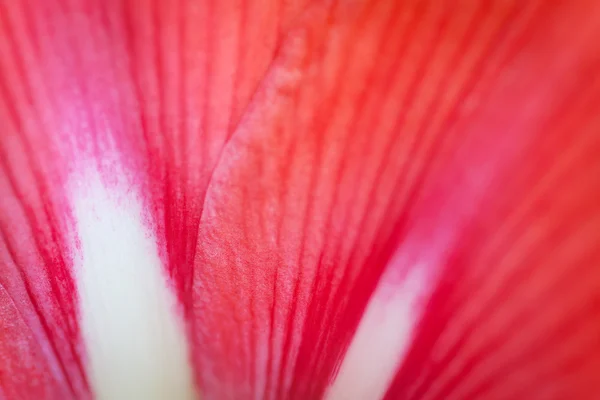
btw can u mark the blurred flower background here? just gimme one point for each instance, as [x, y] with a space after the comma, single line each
[300, 199]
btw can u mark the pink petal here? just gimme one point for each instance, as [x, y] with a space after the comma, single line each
[100, 82]
[301, 164]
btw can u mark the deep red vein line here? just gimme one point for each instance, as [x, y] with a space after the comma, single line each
[166, 179]
[180, 147]
[192, 236]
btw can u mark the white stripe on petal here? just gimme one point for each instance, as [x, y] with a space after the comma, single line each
[381, 340]
[134, 339]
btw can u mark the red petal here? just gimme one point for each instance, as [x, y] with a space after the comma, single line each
[461, 139]
[421, 133]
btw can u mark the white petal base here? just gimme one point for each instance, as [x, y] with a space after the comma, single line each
[135, 344]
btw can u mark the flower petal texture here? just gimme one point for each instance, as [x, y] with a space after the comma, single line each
[318, 199]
